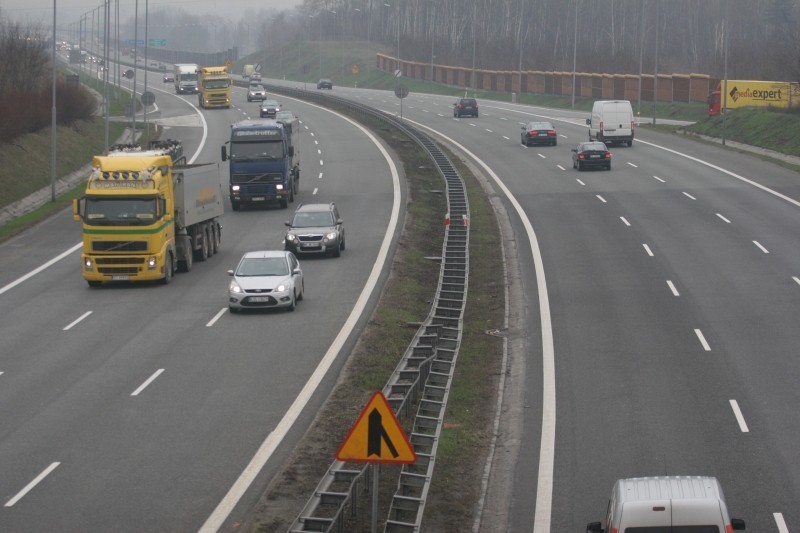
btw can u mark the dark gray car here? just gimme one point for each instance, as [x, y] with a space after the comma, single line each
[315, 229]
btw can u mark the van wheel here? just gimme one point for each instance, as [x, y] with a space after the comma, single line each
[630, 143]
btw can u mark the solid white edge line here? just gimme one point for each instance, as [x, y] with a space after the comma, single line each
[273, 440]
[148, 382]
[544, 487]
[781, 523]
[216, 317]
[739, 417]
[39, 269]
[84, 315]
[32, 484]
[648, 250]
[724, 219]
[703, 340]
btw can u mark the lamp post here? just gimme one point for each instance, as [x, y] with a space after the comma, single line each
[53, 117]
[574, 53]
[472, 74]
[397, 15]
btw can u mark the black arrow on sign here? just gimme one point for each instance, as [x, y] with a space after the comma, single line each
[376, 432]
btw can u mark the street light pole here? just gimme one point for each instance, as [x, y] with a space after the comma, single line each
[53, 117]
[472, 74]
[574, 53]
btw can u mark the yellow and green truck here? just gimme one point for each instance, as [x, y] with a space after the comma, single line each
[215, 87]
[146, 214]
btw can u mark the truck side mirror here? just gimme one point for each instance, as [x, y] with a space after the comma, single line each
[594, 527]
[291, 151]
[737, 524]
[223, 153]
[76, 210]
[588, 122]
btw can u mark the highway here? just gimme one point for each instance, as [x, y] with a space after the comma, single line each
[136, 408]
[666, 343]
[673, 290]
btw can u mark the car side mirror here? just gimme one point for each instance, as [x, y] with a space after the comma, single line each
[230, 272]
[594, 527]
[297, 272]
[523, 128]
[588, 122]
[339, 221]
[737, 524]
[287, 223]
[575, 150]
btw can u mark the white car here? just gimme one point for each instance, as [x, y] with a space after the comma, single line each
[266, 279]
[256, 92]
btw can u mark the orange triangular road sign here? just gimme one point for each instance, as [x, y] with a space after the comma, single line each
[377, 436]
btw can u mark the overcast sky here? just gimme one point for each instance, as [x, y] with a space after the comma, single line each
[71, 10]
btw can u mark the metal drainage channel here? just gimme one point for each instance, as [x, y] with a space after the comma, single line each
[422, 376]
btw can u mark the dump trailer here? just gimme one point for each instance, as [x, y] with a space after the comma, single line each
[215, 87]
[264, 161]
[146, 214]
[732, 94]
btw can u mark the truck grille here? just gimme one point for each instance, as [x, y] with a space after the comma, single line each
[119, 260]
[116, 271]
[119, 246]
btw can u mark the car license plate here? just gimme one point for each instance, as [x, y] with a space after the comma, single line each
[542, 135]
[259, 299]
[120, 277]
[258, 198]
[595, 156]
[309, 246]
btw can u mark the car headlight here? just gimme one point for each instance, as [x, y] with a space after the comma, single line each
[235, 288]
[283, 287]
[331, 236]
[290, 237]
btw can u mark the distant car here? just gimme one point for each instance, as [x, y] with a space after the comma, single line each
[269, 108]
[324, 83]
[162, 67]
[154, 64]
[591, 155]
[256, 92]
[168, 78]
[255, 76]
[317, 229]
[538, 133]
[266, 279]
[465, 106]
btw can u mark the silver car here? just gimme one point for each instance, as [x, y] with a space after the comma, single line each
[256, 92]
[266, 279]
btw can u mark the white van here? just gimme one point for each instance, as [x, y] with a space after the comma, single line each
[667, 504]
[611, 122]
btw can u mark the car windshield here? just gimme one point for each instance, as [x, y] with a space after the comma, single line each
[263, 266]
[540, 126]
[594, 146]
[270, 103]
[255, 88]
[310, 220]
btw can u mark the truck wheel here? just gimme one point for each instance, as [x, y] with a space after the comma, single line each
[186, 264]
[284, 203]
[291, 194]
[216, 238]
[202, 253]
[168, 270]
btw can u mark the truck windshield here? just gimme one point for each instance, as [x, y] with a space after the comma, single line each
[248, 151]
[188, 77]
[120, 211]
[216, 84]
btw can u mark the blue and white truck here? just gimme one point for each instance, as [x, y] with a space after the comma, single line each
[264, 161]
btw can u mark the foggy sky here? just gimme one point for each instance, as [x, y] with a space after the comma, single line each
[41, 11]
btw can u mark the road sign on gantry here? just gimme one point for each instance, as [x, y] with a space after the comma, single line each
[377, 436]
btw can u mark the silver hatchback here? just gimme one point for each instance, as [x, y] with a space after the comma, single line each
[266, 279]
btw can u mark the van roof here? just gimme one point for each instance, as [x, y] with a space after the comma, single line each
[669, 488]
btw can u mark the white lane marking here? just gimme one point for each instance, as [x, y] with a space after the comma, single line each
[739, 417]
[689, 196]
[542, 156]
[601, 198]
[648, 250]
[473, 125]
[439, 114]
[506, 138]
[503, 118]
[31, 485]
[703, 340]
[782, 528]
[724, 219]
[320, 175]
[273, 440]
[148, 382]
[579, 181]
[796, 279]
[310, 133]
[544, 486]
[41, 268]
[319, 151]
[659, 179]
[631, 164]
[320, 162]
[761, 247]
[77, 320]
[316, 142]
[560, 167]
[489, 131]
[625, 221]
[216, 317]
[425, 111]
[314, 192]
[672, 288]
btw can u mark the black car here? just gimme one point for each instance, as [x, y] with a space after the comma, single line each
[324, 83]
[315, 229]
[591, 155]
[269, 108]
[465, 106]
[538, 133]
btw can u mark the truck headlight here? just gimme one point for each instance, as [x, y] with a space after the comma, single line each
[279, 187]
[152, 263]
[87, 264]
[235, 188]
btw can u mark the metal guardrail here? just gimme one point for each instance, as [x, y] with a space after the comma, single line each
[424, 373]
